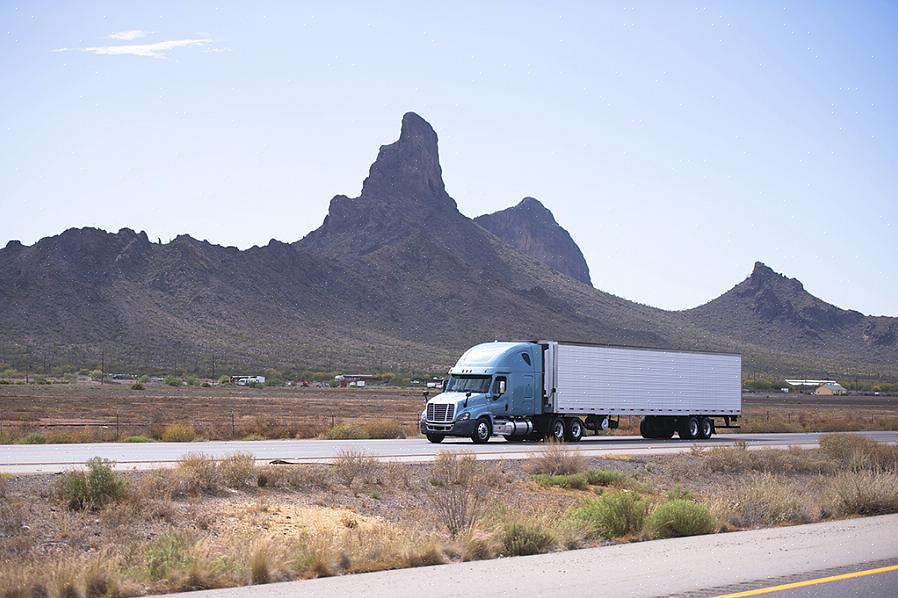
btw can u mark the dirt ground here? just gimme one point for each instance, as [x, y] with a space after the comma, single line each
[84, 412]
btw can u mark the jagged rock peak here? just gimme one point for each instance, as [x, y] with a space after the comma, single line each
[530, 227]
[762, 275]
[409, 168]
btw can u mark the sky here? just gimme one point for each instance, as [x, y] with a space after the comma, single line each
[677, 142]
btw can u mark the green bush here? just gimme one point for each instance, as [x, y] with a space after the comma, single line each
[613, 515]
[137, 386]
[93, 489]
[680, 493]
[344, 432]
[521, 538]
[575, 481]
[680, 517]
[173, 380]
[192, 381]
[224, 379]
[166, 555]
[143, 379]
[139, 438]
[605, 477]
[178, 433]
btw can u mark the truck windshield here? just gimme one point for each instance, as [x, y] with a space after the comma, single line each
[472, 384]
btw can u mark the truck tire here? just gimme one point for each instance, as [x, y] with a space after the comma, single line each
[642, 429]
[573, 429]
[435, 438]
[514, 438]
[557, 430]
[665, 429]
[689, 428]
[706, 428]
[482, 431]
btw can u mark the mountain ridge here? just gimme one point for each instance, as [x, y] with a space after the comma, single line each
[396, 278]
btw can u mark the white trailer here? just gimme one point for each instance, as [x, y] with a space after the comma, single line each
[674, 391]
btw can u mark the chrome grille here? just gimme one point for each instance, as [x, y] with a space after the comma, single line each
[440, 413]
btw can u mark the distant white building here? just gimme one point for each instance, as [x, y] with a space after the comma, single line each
[245, 380]
[831, 388]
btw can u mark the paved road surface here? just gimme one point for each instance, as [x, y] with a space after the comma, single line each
[56, 457]
[712, 565]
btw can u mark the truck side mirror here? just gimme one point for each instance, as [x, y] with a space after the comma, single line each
[498, 389]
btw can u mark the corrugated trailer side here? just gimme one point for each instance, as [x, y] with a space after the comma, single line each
[638, 381]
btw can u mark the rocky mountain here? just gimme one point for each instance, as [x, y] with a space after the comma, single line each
[531, 228]
[396, 278]
[769, 308]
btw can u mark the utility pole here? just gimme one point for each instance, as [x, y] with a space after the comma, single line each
[103, 367]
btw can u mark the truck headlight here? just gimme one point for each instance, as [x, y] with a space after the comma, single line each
[464, 417]
[423, 415]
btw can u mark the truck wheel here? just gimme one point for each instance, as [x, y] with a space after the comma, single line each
[573, 430]
[689, 428]
[556, 430]
[435, 438]
[514, 438]
[482, 431]
[706, 426]
[665, 428]
[642, 429]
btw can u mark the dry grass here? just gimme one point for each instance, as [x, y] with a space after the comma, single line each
[865, 493]
[458, 491]
[178, 433]
[352, 465]
[554, 458]
[767, 500]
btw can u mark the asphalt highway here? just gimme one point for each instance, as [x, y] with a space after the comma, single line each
[856, 557]
[30, 458]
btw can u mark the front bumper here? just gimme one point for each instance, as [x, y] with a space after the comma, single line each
[465, 428]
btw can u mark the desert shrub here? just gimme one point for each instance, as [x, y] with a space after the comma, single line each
[613, 515]
[864, 493]
[143, 379]
[344, 432]
[238, 471]
[4, 482]
[554, 458]
[137, 386]
[605, 477]
[198, 473]
[576, 481]
[854, 452]
[173, 380]
[139, 438]
[384, 429]
[206, 385]
[458, 490]
[766, 500]
[520, 538]
[178, 433]
[680, 517]
[352, 465]
[680, 493]
[93, 489]
[739, 459]
[254, 437]
[34, 438]
[167, 554]
[192, 380]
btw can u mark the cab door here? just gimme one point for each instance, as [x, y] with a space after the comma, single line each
[522, 395]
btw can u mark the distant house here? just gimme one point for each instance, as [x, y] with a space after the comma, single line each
[245, 380]
[831, 388]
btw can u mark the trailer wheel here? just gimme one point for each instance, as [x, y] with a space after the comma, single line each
[707, 428]
[664, 428]
[689, 428]
[573, 430]
[557, 430]
[435, 438]
[482, 431]
[643, 429]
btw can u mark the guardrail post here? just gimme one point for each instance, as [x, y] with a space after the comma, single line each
[233, 426]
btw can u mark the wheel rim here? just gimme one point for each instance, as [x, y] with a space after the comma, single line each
[693, 428]
[706, 428]
[558, 430]
[483, 431]
[576, 429]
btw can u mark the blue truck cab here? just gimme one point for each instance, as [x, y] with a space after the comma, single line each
[494, 389]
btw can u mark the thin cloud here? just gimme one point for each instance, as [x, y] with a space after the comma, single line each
[127, 36]
[156, 50]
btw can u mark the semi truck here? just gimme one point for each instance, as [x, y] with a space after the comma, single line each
[535, 390]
